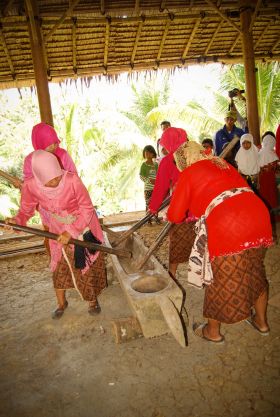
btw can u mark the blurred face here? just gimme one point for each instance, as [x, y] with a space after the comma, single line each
[164, 151]
[229, 123]
[164, 126]
[51, 148]
[246, 145]
[54, 182]
[207, 146]
[149, 155]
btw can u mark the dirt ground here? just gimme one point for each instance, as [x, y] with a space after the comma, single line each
[74, 368]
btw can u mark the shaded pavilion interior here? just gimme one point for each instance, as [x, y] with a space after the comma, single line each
[53, 40]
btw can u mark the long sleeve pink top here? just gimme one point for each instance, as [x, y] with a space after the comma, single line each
[71, 210]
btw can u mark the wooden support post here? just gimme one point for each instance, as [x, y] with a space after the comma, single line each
[40, 70]
[250, 74]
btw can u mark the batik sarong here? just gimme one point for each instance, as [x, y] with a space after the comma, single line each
[181, 239]
[89, 285]
[239, 281]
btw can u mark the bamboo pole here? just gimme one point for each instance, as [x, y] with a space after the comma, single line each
[14, 180]
[40, 70]
[54, 236]
[250, 71]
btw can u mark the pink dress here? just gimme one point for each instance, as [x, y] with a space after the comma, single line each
[71, 210]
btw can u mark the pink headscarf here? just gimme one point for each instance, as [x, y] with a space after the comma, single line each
[172, 138]
[43, 135]
[45, 167]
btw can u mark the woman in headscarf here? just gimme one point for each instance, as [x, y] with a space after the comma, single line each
[268, 162]
[181, 236]
[71, 214]
[247, 159]
[44, 137]
[232, 232]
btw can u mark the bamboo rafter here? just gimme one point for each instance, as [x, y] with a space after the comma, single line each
[223, 15]
[139, 30]
[238, 38]
[137, 7]
[187, 47]
[162, 5]
[29, 6]
[62, 19]
[262, 35]
[106, 45]
[74, 45]
[213, 38]
[163, 40]
[102, 7]
[275, 45]
[255, 14]
[7, 53]
[44, 50]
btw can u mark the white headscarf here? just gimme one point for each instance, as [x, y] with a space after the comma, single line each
[248, 159]
[267, 153]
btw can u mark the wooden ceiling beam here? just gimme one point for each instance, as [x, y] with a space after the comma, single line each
[163, 41]
[62, 19]
[139, 30]
[74, 44]
[262, 35]
[275, 45]
[187, 47]
[162, 5]
[237, 39]
[137, 7]
[30, 16]
[213, 37]
[7, 53]
[255, 14]
[106, 46]
[102, 7]
[44, 50]
[223, 15]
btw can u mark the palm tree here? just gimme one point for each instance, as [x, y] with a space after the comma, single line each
[150, 105]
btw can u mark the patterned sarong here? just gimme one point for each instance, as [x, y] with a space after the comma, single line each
[199, 269]
[181, 239]
[89, 285]
[239, 281]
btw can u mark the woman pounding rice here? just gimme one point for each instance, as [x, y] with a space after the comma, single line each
[71, 214]
[181, 236]
[232, 233]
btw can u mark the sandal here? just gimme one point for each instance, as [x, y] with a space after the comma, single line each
[253, 324]
[95, 309]
[198, 331]
[58, 313]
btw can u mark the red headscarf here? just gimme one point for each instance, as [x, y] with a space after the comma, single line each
[172, 138]
[43, 135]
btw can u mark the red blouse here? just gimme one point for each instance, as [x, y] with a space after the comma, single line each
[238, 223]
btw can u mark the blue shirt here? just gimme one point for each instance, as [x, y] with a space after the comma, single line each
[223, 136]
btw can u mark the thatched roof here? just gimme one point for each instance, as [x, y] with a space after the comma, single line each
[109, 36]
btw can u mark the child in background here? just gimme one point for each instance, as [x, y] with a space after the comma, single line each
[208, 145]
[148, 172]
[247, 159]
